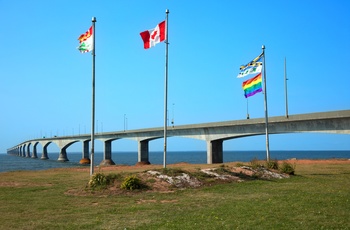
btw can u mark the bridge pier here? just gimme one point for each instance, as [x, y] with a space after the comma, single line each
[63, 155]
[214, 151]
[85, 159]
[35, 155]
[44, 155]
[143, 152]
[22, 151]
[107, 153]
[28, 151]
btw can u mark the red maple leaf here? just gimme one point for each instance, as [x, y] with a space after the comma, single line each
[154, 34]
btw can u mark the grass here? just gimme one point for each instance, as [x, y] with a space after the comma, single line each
[317, 197]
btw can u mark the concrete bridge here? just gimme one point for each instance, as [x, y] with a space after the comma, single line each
[336, 122]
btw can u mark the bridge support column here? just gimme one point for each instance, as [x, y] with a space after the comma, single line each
[85, 159]
[28, 151]
[107, 154]
[35, 155]
[44, 154]
[143, 152]
[63, 155]
[23, 151]
[214, 152]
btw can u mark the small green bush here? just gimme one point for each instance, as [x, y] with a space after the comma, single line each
[131, 183]
[101, 181]
[98, 180]
[287, 168]
[272, 164]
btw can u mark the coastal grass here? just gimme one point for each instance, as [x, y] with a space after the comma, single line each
[316, 197]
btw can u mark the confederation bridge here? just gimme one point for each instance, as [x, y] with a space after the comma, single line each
[215, 133]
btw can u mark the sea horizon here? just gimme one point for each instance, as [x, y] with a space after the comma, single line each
[15, 163]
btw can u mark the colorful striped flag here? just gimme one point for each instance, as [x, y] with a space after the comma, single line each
[86, 41]
[252, 86]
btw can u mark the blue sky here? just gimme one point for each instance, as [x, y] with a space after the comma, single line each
[45, 85]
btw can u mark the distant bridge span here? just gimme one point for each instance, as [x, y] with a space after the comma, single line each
[337, 122]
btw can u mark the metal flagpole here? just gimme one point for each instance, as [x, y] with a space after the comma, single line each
[285, 85]
[166, 87]
[93, 100]
[247, 110]
[266, 113]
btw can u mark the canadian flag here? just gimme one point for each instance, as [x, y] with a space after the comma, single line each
[152, 37]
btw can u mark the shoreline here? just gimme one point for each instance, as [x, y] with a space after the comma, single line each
[22, 164]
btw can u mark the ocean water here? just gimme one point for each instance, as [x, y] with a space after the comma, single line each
[16, 163]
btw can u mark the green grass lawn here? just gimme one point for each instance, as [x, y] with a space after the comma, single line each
[317, 197]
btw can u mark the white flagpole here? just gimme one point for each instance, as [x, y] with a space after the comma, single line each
[285, 85]
[166, 87]
[266, 113]
[247, 110]
[93, 100]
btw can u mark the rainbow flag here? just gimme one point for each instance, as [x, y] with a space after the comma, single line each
[252, 86]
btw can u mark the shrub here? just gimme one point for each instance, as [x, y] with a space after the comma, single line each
[101, 181]
[287, 168]
[98, 180]
[272, 164]
[131, 183]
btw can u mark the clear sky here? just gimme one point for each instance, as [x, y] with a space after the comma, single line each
[46, 83]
